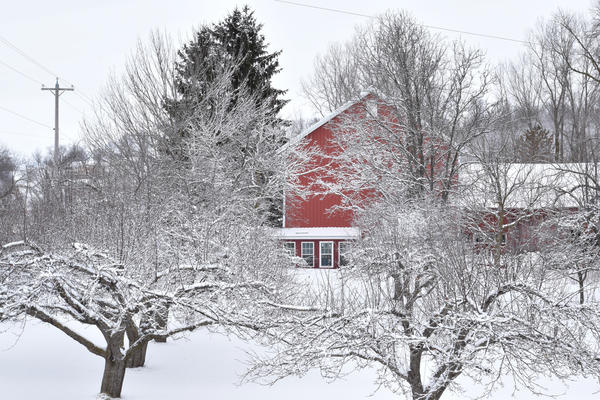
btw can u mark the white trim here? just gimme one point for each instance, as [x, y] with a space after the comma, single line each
[346, 233]
[313, 252]
[321, 243]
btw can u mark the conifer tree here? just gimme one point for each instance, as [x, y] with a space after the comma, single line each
[236, 49]
[235, 46]
[535, 145]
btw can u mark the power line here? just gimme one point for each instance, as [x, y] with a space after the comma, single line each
[25, 55]
[423, 25]
[25, 117]
[23, 74]
[84, 97]
[81, 95]
[73, 106]
[39, 82]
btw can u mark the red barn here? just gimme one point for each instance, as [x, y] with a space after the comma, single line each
[316, 226]
[312, 226]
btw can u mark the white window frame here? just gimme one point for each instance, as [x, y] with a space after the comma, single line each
[294, 251]
[340, 243]
[313, 252]
[321, 254]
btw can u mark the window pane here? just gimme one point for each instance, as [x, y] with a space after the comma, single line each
[308, 252]
[326, 254]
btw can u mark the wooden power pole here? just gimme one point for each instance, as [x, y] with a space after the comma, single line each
[56, 91]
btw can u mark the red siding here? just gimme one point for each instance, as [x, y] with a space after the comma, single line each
[319, 210]
[316, 211]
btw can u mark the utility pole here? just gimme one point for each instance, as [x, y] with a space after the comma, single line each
[56, 91]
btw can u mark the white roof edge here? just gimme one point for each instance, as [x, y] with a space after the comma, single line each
[347, 233]
[307, 131]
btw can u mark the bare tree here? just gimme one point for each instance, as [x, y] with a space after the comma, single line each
[337, 78]
[11, 198]
[552, 85]
[84, 285]
[433, 91]
[424, 303]
[434, 291]
[569, 235]
[172, 242]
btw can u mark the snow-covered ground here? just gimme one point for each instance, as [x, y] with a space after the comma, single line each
[45, 364]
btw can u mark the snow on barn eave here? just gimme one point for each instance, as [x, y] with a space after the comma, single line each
[342, 233]
[364, 94]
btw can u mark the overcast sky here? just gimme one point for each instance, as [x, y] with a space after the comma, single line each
[82, 41]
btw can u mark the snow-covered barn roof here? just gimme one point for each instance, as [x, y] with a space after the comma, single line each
[327, 118]
[318, 233]
[528, 186]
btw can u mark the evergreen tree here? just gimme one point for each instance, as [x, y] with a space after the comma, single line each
[228, 60]
[535, 145]
[233, 46]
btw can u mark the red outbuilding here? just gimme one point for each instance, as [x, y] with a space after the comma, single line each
[313, 227]
[317, 227]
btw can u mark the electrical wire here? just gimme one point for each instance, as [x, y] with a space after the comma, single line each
[25, 117]
[67, 102]
[39, 82]
[485, 35]
[23, 74]
[25, 55]
[6, 42]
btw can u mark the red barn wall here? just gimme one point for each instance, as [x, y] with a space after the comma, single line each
[316, 210]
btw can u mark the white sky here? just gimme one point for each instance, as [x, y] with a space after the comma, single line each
[83, 40]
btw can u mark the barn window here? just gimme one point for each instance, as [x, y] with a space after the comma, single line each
[326, 253]
[308, 253]
[343, 253]
[290, 247]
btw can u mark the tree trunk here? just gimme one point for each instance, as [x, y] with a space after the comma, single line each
[581, 281]
[114, 366]
[161, 318]
[114, 374]
[137, 358]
